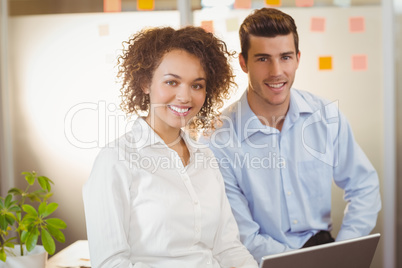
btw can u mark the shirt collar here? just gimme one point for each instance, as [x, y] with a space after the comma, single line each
[145, 136]
[298, 105]
[250, 124]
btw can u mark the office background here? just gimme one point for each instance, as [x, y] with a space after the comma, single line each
[60, 98]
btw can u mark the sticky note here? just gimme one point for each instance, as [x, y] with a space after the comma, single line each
[103, 30]
[304, 3]
[359, 62]
[232, 24]
[208, 25]
[356, 24]
[246, 4]
[317, 24]
[145, 4]
[342, 3]
[111, 5]
[325, 63]
[273, 2]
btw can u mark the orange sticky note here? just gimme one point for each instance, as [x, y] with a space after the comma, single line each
[246, 4]
[304, 3]
[325, 63]
[273, 2]
[317, 24]
[359, 62]
[208, 25]
[111, 5]
[356, 24]
[145, 4]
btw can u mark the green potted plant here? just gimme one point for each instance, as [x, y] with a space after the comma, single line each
[22, 224]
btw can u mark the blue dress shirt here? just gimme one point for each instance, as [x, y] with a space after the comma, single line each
[279, 182]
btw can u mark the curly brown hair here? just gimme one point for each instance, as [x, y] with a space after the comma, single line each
[143, 53]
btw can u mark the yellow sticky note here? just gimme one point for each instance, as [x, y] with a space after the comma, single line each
[359, 62]
[145, 4]
[232, 24]
[207, 25]
[111, 5]
[325, 63]
[273, 2]
[246, 4]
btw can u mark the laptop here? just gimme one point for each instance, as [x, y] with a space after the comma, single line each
[353, 253]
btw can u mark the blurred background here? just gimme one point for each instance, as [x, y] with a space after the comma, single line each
[59, 95]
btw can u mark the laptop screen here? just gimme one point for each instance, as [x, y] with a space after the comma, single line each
[353, 253]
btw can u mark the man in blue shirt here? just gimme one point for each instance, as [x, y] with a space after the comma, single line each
[279, 149]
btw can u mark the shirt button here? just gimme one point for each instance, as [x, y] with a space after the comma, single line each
[197, 230]
[209, 262]
[195, 202]
[295, 221]
[289, 193]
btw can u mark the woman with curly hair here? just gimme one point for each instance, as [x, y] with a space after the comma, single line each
[155, 197]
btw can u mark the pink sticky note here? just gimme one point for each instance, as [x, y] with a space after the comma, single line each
[359, 62]
[208, 25]
[356, 24]
[111, 5]
[304, 3]
[317, 24]
[246, 4]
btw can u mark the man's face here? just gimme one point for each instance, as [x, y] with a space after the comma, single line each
[271, 68]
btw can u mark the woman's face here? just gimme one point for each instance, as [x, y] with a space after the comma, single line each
[177, 91]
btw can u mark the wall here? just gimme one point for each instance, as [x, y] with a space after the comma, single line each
[65, 97]
[398, 75]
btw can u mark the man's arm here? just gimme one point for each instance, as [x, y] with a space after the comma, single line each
[258, 244]
[356, 175]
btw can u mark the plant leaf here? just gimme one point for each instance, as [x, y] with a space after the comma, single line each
[7, 201]
[57, 234]
[45, 181]
[10, 218]
[14, 209]
[42, 208]
[48, 242]
[32, 239]
[29, 177]
[15, 191]
[56, 223]
[24, 236]
[3, 223]
[9, 244]
[50, 209]
[30, 210]
[3, 255]
[27, 221]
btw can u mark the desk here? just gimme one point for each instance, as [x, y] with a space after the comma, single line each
[74, 256]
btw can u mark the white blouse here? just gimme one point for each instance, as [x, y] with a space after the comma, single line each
[143, 208]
